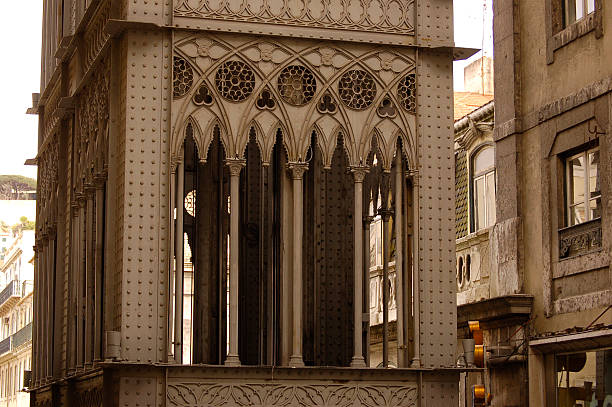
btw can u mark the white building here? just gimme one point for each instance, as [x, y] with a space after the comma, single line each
[16, 284]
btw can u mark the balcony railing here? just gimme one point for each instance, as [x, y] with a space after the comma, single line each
[22, 336]
[5, 345]
[12, 289]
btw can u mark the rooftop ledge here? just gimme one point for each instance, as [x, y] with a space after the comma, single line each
[494, 311]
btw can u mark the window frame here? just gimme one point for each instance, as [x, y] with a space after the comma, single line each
[584, 153]
[473, 176]
[570, 5]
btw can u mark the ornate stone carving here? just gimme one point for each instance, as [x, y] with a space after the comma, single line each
[580, 239]
[264, 394]
[183, 77]
[386, 108]
[235, 81]
[385, 16]
[235, 165]
[297, 85]
[297, 169]
[357, 89]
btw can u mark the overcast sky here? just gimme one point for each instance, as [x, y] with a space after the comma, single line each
[20, 72]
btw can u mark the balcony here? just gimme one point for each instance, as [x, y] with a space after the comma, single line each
[5, 345]
[10, 295]
[22, 336]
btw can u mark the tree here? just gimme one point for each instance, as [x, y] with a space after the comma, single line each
[12, 186]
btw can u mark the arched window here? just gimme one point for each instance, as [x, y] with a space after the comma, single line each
[483, 188]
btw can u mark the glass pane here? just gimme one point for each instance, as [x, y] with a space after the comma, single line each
[579, 9]
[594, 184]
[484, 159]
[590, 6]
[584, 378]
[479, 203]
[595, 208]
[490, 178]
[577, 214]
[576, 180]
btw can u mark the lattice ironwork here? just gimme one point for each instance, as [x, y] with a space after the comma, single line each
[297, 85]
[265, 100]
[357, 89]
[183, 77]
[190, 202]
[406, 90]
[235, 81]
[327, 104]
[203, 96]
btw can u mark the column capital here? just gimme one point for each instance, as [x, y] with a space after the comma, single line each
[235, 165]
[414, 175]
[298, 168]
[359, 172]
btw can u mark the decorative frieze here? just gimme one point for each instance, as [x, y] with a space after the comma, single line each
[580, 239]
[277, 394]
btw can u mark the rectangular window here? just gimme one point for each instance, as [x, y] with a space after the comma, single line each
[584, 379]
[577, 9]
[583, 187]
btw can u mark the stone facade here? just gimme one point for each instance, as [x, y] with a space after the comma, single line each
[250, 137]
[545, 302]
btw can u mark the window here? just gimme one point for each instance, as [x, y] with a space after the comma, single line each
[577, 9]
[483, 188]
[583, 187]
[584, 378]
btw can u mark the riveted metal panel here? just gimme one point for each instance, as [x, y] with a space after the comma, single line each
[436, 209]
[145, 237]
[435, 22]
[139, 391]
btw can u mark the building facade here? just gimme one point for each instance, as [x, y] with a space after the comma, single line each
[205, 174]
[16, 280]
[552, 232]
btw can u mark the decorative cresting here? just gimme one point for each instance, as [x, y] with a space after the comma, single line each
[297, 85]
[203, 97]
[270, 394]
[327, 104]
[183, 77]
[357, 89]
[235, 81]
[386, 16]
[406, 91]
[265, 100]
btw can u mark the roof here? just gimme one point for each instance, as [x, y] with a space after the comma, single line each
[467, 102]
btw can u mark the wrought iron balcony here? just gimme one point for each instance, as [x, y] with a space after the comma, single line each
[11, 291]
[5, 345]
[22, 336]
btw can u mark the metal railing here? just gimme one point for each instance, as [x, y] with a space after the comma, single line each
[5, 345]
[11, 289]
[22, 336]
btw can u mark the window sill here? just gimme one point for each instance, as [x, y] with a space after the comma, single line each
[580, 28]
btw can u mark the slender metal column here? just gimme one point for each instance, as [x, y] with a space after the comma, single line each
[358, 360]
[399, 261]
[297, 174]
[171, 267]
[82, 281]
[416, 360]
[386, 215]
[99, 256]
[89, 274]
[235, 166]
[178, 241]
[367, 220]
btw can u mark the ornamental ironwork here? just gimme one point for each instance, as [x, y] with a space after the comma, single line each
[406, 90]
[297, 85]
[357, 89]
[203, 96]
[183, 77]
[265, 100]
[235, 81]
[386, 108]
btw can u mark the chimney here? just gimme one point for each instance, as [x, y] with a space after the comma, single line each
[478, 76]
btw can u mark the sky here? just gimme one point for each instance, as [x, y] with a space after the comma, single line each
[470, 32]
[20, 72]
